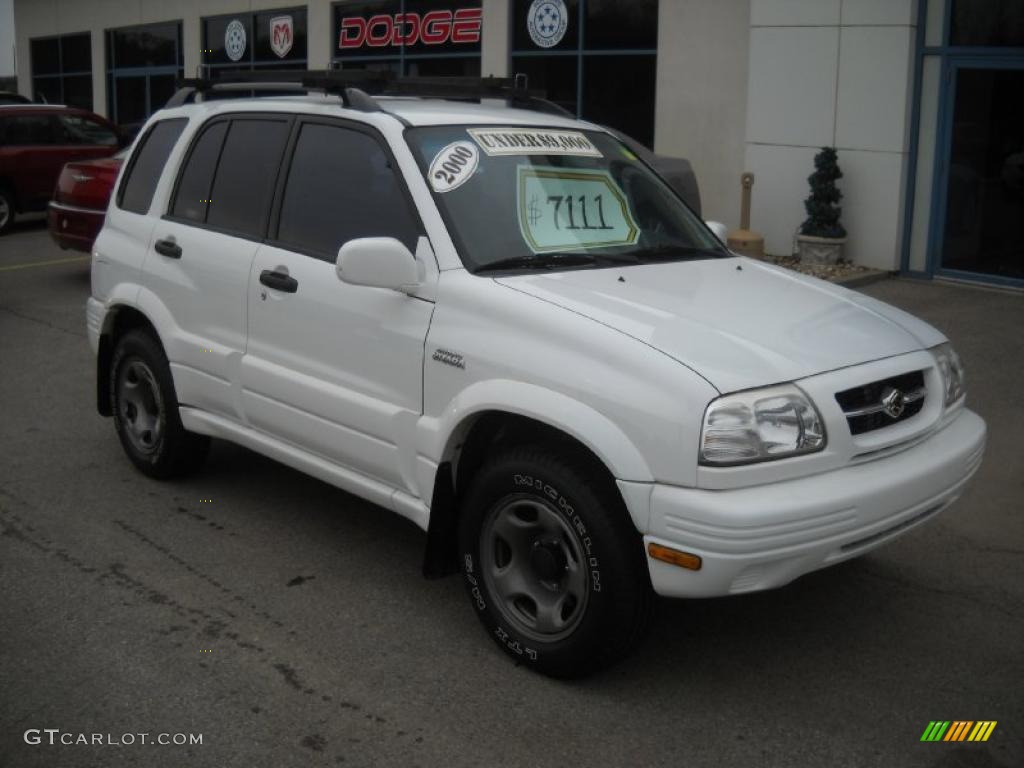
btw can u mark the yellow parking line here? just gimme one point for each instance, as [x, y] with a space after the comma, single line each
[45, 263]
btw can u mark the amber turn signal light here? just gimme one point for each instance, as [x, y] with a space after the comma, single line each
[674, 557]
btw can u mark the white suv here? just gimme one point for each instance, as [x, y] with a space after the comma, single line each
[499, 323]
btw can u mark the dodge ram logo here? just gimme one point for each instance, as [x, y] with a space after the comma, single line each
[282, 35]
[893, 402]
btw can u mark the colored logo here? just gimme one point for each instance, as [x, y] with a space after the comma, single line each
[958, 730]
[547, 21]
[234, 40]
[282, 35]
[406, 29]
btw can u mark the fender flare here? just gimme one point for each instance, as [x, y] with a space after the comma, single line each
[552, 408]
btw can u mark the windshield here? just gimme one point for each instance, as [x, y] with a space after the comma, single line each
[542, 198]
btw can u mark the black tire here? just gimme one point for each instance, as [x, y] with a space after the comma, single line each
[6, 209]
[565, 519]
[145, 410]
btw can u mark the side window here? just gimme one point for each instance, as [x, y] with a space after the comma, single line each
[147, 163]
[246, 175]
[193, 193]
[31, 130]
[77, 129]
[341, 186]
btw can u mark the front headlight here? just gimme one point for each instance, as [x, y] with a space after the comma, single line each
[951, 370]
[759, 425]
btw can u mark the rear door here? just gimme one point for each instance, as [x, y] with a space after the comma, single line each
[336, 368]
[202, 251]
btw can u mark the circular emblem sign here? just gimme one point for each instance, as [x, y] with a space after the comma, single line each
[547, 21]
[234, 40]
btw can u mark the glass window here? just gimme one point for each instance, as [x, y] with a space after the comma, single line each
[30, 130]
[987, 23]
[146, 165]
[275, 39]
[45, 56]
[341, 185]
[280, 36]
[556, 76]
[610, 83]
[62, 70]
[192, 197]
[77, 91]
[76, 53]
[616, 24]
[609, 75]
[142, 65]
[131, 99]
[47, 90]
[546, 23]
[83, 130]
[246, 175]
[153, 45]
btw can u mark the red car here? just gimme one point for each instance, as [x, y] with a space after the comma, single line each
[80, 200]
[36, 140]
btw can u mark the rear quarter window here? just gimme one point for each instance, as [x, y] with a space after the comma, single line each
[147, 163]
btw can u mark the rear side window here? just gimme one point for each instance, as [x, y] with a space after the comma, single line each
[246, 175]
[83, 130]
[147, 163]
[341, 185]
[192, 197]
[29, 130]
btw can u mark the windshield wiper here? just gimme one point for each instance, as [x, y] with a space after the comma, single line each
[539, 261]
[676, 253]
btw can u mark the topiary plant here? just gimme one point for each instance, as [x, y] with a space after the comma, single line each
[822, 206]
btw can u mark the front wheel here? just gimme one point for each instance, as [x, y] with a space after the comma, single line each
[552, 562]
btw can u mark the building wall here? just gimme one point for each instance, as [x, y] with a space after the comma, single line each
[700, 112]
[7, 39]
[831, 72]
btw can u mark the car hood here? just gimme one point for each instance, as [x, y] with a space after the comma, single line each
[738, 323]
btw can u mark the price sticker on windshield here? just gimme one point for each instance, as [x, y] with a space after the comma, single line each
[562, 209]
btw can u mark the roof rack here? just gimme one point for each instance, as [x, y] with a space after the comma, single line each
[356, 88]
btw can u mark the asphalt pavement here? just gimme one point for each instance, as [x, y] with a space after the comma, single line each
[287, 623]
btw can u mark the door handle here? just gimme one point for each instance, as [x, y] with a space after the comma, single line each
[279, 281]
[168, 248]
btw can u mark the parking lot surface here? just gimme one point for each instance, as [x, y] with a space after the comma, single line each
[288, 623]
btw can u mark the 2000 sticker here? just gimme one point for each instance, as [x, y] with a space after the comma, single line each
[453, 166]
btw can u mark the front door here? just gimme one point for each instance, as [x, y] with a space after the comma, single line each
[984, 171]
[333, 368]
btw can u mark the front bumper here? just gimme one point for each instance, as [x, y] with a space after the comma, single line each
[765, 536]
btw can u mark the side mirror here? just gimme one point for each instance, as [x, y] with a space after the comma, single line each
[719, 230]
[378, 262]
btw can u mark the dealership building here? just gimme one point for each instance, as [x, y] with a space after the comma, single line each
[922, 98]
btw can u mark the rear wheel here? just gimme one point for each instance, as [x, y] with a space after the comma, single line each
[6, 209]
[145, 410]
[552, 562]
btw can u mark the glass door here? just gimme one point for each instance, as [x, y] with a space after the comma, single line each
[983, 197]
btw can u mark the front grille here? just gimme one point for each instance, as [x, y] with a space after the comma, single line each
[866, 410]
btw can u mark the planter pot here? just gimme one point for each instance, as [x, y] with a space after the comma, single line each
[819, 250]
